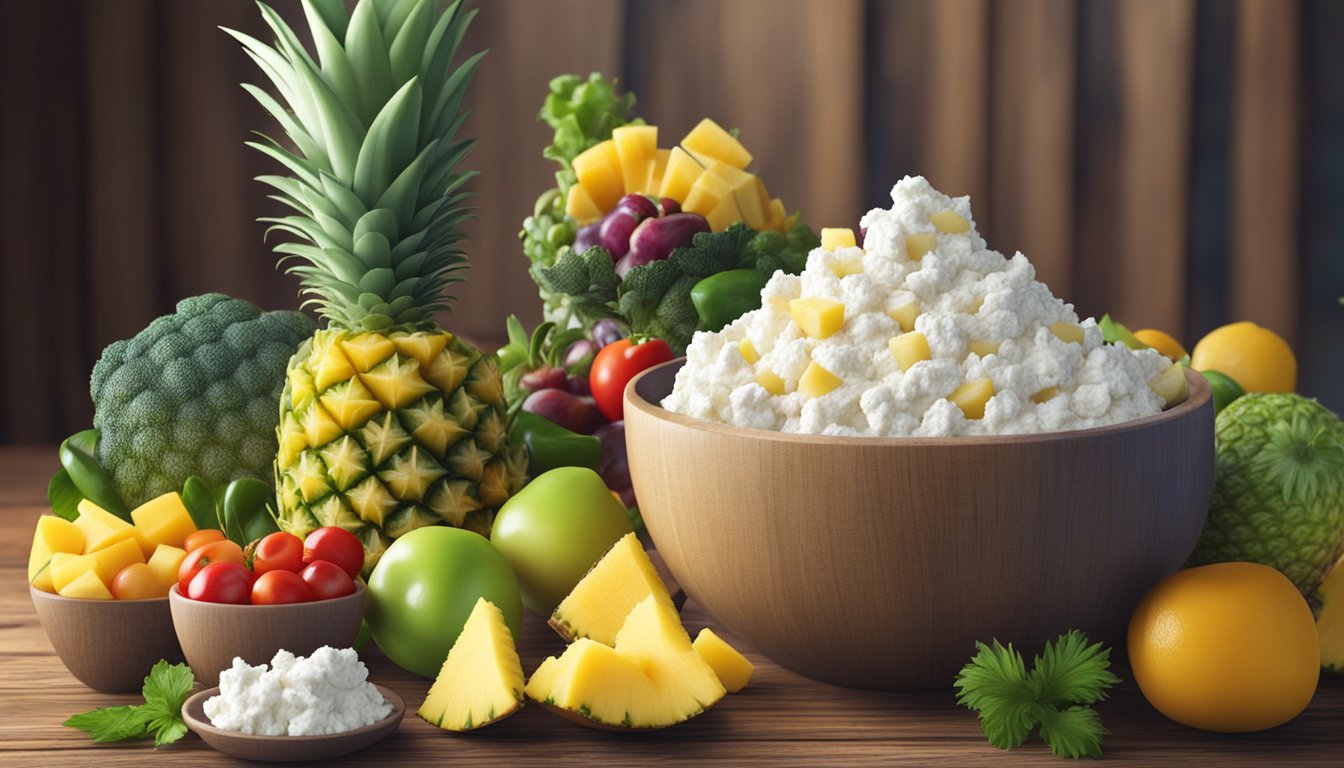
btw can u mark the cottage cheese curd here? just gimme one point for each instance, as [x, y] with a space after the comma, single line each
[326, 692]
[967, 322]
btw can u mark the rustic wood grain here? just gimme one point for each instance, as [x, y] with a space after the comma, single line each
[957, 101]
[781, 718]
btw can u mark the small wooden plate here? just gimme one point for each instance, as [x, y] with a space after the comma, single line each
[289, 749]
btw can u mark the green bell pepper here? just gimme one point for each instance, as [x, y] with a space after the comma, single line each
[550, 445]
[723, 297]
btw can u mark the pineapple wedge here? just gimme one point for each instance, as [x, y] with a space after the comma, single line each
[599, 604]
[481, 680]
[732, 668]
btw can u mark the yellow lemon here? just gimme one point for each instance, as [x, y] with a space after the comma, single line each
[1229, 647]
[1256, 358]
[1163, 342]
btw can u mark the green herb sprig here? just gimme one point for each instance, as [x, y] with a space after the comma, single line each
[160, 717]
[1067, 677]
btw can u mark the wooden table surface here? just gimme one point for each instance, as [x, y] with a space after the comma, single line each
[781, 718]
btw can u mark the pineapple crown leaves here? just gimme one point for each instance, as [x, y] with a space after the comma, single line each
[377, 202]
[1302, 458]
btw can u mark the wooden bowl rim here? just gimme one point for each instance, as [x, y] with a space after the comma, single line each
[1200, 395]
[58, 598]
[193, 712]
[176, 596]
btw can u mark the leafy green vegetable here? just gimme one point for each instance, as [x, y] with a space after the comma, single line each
[166, 689]
[582, 113]
[525, 353]
[1067, 677]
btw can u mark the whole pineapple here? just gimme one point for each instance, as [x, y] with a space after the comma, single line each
[387, 422]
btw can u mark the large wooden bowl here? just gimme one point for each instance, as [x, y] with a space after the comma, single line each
[879, 562]
[108, 645]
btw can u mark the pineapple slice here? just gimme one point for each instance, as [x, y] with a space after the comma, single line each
[746, 192]
[777, 218]
[771, 382]
[652, 678]
[724, 214]
[1068, 332]
[711, 140]
[481, 681]
[681, 172]
[599, 603]
[580, 206]
[706, 194]
[655, 181]
[103, 529]
[87, 586]
[918, 244]
[818, 318]
[949, 222]
[53, 535]
[972, 396]
[748, 351]
[905, 315]
[636, 148]
[164, 520]
[731, 667]
[165, 562]
[909, 348]
[817, 381]
[837, 237]
[598, 169]
[1171, 385]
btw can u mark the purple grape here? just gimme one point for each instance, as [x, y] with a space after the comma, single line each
[669, 206]
[655, 239]
[607, 330]
[588, 236]
[615, 233]
[578, 351]
[578, 385]
[577, 414]
[638, 206]
[545, 377]
[863, 234]
[613, 466]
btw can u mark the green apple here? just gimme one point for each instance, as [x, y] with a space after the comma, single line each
[423, 589]
[553, 531]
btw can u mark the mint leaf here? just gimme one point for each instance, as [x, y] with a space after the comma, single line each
[1073, 732]
[166, 688]
[1072, 671]
[111, 724]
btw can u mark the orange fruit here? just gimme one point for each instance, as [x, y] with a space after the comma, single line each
[1163, 342]
[1256, 358]
[1229, 647]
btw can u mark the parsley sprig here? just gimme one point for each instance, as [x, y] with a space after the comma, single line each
[165, 690]
[1067, 677]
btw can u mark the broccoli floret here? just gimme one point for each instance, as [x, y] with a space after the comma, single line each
[196, 392]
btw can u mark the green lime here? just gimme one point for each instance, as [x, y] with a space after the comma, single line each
[1225, 389]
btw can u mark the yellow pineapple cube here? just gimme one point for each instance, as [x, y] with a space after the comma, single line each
[1068, 332]
[983, 348]
[918, 244]
[1044, 395]
[949, 222]
[709, 139]
[817, 381]
[580, 206]
[706, 193]
[847, 267]
[723, 215]
[655, 182]
[86, 586]
[59, 535]
[972, 396]
[909, 348]
[1171, 385]
[833, 238]
[905, 315]
[113, 558]
[771, 382]
[731, 667]
[598, 168]
[165, 563]
[681, 172]
[748, 351]
[102, 529]
[636, 146]
[779, 220]
[164, 520]
[818, 318]
[66, 569]
[755, 203]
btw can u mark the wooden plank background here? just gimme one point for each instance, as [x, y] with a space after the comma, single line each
[1175, 162]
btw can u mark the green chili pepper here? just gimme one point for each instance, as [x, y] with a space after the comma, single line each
[550, 445]
[79, 457]
[723, 297]
[247, 516]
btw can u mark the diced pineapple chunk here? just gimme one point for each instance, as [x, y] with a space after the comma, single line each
[771, 382]
[779, 220]
[972, 396]
[918, 244]
[636, 147]
[165, 562]
[66, 569]
[817, 381]
[681, 172]
[1171, 385]
[86, 586]
[709, 139]
[818, 318]
[837, 237]
[754, 202]
[723, 215]
[59, 535]
[164, 520]
[748, 351]
[731, 667]
[706, 193]
[845, 267]
[1044, 395]
[983, 348]
[113, 558]
[949, 222]
[580, 206]
[1068, 332]
[655, 182]
[905, 315]
[103, 529]
[909, 348]
[599, 169]
[39, 573]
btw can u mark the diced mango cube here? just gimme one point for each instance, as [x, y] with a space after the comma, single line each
[723, 215]
[1068, 332]
[1171, 385]
[59, 535]
[771, 382]
[837, 237]
[905, 315]
[748, 351]
[681, 172]
[983, 348]
[706, 194]
[972, 396]
[164, 520]
[1044, 395]
[817, 381]
[67, 569]
[818, 318]
[580, 206]
[103, 529]
[636, 147]
[112, 559]
[86, 586]
[731, 667]
[949, 222]
[847, 267]
[165, 563]
[918, 244]
[909, 348]
[599, 169]
[40, 576]
[709, 139]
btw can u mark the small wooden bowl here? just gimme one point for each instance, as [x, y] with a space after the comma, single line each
[289, 749]
[879, 562]
[108, 645]
[212, 634]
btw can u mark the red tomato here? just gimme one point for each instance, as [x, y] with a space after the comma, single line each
[615, 365]
[335, 545]
[278, 551]
[327, 580]
[202, 537]
[198, 558]
[276, 587]
[222, 583]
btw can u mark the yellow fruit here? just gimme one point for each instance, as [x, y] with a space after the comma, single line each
[709, 139]
[164, 520]
[481, 680]
[748, 351]
[818, 318]
[909, 348]
[972, 396]
[1230, 647]
[86, 586]
[1171, 385]
[771, 382]
[598, 169]
[983, 348]
[112, 559]
[731, 667]
[918, 244]
[1330, 621]
[103, 529]
[1256, 358]
[1163, 342]
[636, 149]
[905, 315]
[681, 172]
[837, 237]
[65, 570]
[817, 381]
[580, 205]
[53, 535]
[165, 563]
[137, 582]
[599, 603]
[949, 222]
[1071, 333]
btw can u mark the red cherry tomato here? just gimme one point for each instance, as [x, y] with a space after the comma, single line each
[276, 587]
[198, 558]
[222, 583]
[327, 580]
[202, 537]
[615, 365]
[335, 545]
[278, 551]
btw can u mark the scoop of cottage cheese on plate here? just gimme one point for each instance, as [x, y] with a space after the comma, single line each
[922, 331]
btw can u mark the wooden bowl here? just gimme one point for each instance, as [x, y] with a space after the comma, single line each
[288, 749]
[213, 633]
[108, 645]
[879, 562]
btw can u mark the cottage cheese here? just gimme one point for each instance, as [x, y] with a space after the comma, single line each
[984, 317]
[327, 692]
